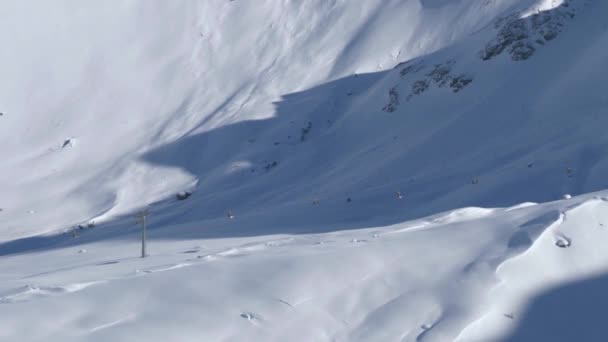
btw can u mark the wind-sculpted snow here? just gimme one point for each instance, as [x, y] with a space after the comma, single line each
[541, 266]
[464, 275]
[28, 292]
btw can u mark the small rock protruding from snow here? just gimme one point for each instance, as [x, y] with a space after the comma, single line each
[563, 243]
[183, 195]
[82, 251]
[248, 316]
[69, 143]
[509, 315]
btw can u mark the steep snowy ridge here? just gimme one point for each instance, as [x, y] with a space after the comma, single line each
[205, 86]
[356, 170]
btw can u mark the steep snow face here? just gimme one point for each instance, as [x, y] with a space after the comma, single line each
[110, 107]
[485, 119]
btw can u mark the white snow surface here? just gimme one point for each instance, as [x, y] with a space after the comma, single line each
[362, 170]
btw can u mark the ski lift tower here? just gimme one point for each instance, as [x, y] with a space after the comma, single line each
[142, 218]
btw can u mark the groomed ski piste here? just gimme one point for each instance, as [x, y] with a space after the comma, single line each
[373, 170]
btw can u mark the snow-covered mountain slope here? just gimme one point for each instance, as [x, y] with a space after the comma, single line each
[295, 123]
[263, 107]
[464, 275]
[88, 88]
